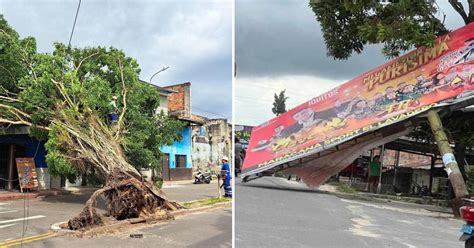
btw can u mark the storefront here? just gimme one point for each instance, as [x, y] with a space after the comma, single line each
[18, 144]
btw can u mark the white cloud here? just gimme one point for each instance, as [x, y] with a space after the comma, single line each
[254, 95]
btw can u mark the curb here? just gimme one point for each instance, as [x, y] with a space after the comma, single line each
[385, 200]
[33, 195]
[57, 229]
[201, 209]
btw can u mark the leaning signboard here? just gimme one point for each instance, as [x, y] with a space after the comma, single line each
[402, 88]
[27, 173]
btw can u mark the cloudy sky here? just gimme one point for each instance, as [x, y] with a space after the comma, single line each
[279, 45]
[193, 37]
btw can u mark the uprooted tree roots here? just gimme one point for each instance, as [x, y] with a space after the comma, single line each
[126, 197]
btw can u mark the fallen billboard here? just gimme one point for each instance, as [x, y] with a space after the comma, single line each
[425, 78]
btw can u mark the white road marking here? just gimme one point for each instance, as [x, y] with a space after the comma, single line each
[8, 225]
[3, 203]
[172, 186]
[406, 221]
[11, 211]
[21, 219]
[360, 225]
[417, 211]
[409, 245]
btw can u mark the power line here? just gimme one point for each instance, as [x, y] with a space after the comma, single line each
[74, 25]
[207, 111]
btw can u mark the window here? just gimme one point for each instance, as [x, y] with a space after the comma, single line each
[180, 161]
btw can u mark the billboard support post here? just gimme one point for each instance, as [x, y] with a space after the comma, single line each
[382, 152]
[395, 169]
[449, 161]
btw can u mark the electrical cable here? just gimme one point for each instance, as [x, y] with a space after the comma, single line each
[26, 213]
[210, 112]
[74, 25]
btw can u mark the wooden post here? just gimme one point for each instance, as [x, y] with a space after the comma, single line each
[449, 161]
[433, 158]
[11, 166]
[395, 169]
[379, 186]
[368, 170]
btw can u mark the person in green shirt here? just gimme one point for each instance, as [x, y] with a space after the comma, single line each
[374, 173]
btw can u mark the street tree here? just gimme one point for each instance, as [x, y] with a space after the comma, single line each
[279, 103]
[348, 26]
[65, 98]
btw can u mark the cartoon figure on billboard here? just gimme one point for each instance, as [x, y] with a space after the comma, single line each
[466, 52]
[373, 105]
[390, 96]
[360, 110]
[343, 110]
[307, 118]
[409, 92]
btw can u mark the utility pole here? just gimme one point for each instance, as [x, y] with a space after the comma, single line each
[449, 161]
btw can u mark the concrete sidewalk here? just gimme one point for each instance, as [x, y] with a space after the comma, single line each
[180, 191]
[16, 195]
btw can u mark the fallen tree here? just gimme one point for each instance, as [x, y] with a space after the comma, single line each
[65, 98]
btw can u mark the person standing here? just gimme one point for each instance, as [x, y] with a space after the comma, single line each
[226, 177]
[237, 155]
[113, 110]
[374, 173]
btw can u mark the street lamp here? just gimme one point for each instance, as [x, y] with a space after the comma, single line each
[161, 70]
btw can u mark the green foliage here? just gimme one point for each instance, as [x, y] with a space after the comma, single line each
[343, 187]
[458, 127]
[158, 182]
[75, 85]
[243, 135]
[279, 103]
[349, 25]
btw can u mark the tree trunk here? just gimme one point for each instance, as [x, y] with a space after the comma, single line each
[451, 166]
[125, 192]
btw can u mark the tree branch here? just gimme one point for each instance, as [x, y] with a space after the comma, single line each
[124, 103]
[460, 9]
[66, 97]
[471, 10]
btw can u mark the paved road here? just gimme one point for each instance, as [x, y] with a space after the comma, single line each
[274, 212]
[207, 229]
[44, 212]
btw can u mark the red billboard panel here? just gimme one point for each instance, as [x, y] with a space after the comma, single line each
[404, 87]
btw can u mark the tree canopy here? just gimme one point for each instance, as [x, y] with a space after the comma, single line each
[348, 26]
[279, 103]
[65, 97]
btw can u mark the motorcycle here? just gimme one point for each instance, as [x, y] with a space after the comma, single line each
[467, 213]
[202, 177]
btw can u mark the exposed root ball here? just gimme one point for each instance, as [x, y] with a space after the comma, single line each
[126, 197]
[85, 219]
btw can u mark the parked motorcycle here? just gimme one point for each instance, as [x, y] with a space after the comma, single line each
[467, 213]
[202, 177]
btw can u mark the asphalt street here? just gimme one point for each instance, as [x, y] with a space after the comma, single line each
[206, 229]
[42, 213]
[275, 212]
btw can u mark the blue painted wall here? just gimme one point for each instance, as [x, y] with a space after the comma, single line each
[31, 145]
[180, 148]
